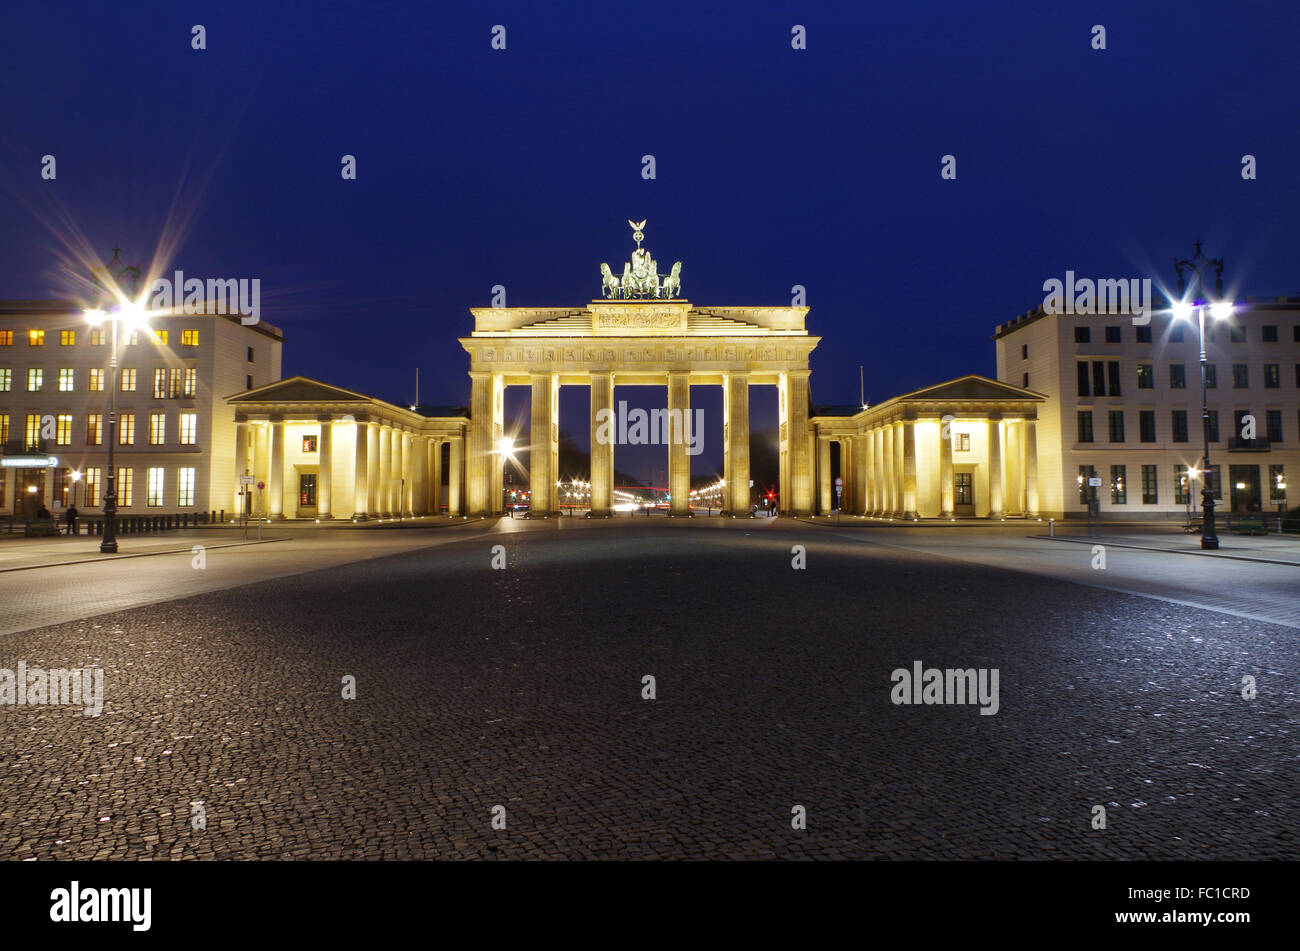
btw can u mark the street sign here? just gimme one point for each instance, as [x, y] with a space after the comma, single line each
[751, 483]
[839, 481]
[261, 485]
[247, 480]
[29, 462]
[1094, 481]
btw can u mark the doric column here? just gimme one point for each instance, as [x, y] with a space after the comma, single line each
[543, 446]
[679, 464]
[456, 477]
[376, 480]
[861, 473]
[361, 463]
[406, 504]
[602, 450]
[484, 461]
[735, 402]
[995, 469]
[909, 469]
[1031, 468]
[261, 436]
[825, 491]
[435, 476]
[801, 483]
[887, 468]
[241, 465]
[384, 498]
[946, 490]
[419, 475]
[1013, 497]
[879, 473]
[325, 481]
[276, 484]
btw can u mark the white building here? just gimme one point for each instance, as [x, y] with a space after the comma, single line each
[176, 433]
[1124, 404]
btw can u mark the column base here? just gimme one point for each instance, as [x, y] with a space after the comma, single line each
[910, 515]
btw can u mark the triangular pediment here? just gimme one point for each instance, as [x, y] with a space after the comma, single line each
[298, 389]
[972, 387]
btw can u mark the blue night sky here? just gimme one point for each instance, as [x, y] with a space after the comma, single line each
[775, 167]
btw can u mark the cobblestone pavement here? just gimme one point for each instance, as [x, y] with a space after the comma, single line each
[522, 688]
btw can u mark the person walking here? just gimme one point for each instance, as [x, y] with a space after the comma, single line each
[71, 518]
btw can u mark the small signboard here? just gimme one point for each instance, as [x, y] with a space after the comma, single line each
[247, 480]
[839, 481]
[1094, 481]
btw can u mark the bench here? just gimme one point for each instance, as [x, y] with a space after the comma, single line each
[1248, 526]
[40, 528]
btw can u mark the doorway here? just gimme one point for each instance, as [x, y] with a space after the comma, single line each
[1245, 488]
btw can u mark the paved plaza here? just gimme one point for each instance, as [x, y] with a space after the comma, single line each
[522, 687]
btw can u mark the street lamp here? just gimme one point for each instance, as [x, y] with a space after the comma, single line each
[1219, 309]
[132, 317]
[76, 477]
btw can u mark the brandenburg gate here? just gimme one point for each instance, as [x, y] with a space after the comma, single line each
[641, 332]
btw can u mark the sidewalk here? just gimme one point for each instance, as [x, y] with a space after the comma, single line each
[17, 552]
[1271, 549]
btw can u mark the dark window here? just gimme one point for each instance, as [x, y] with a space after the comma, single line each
[1295, 333]
[1297, 374]
[961, 488]
[1144, 334]
[1118, 486]
[1081, 335]
[1213, 424]
[1083, 378]
[1180, 425]
[248, 382]
[1115, 421]
[963, 442]
[307, 489]
[308, 443]
[1085, 425]
[1240, 377]
[1215, 483]
[1146, 376]
[1149, 496]
[1113, 367]
[1147, 425]
[1177, 376]
[1237, 334]
[1024, 351]
[1181, 486]
[250, 354]
[1099, 379]
[1270, 333]
[1112, 335]
[1211, 376]
[1273, 423]
[1272, 376]
[1025, 383]
[1176, 334]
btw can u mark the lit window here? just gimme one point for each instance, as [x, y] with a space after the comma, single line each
[963, 442]
[189, 338]
[191, 387]
[36, 338]
[6, 379]
[67, 380]
[157, 429]
[4, 429]
[189, 428]
[126, 429]
[96, 380]
[160, 336]
[174, 383]
[154, 487]
[125, 487]
[92, 486]
[1180, 483]
[128, 380]
[185, 486]
[159, 384]
[97, 337]
[95, 429]
[63, 430]
[33, 430]
[67, 338]
[35, 379]
[1118, 490]
[308, 443]
[6, 338]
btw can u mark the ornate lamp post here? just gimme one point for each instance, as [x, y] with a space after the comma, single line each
[129, 314]
[1219, 309]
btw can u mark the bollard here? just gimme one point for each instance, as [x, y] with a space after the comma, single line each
[223, 516]
[1051, 528]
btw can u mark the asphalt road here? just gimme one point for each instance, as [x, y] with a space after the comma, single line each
[522, 687]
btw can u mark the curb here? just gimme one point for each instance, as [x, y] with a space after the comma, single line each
[142, 554]
[1100, 540]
